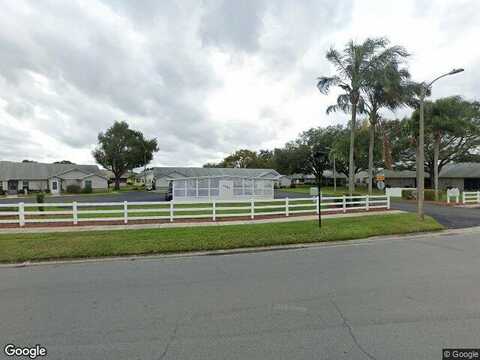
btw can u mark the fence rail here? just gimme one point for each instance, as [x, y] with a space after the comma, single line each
[471, 197]
[75, 212]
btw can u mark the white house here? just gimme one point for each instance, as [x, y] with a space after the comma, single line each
[194, 184]
[19, 176]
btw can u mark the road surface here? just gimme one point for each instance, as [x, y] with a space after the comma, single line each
[391, 299]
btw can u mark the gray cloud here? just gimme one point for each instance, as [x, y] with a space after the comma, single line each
[68, 71]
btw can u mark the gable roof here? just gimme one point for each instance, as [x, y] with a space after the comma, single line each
[192, 172]
[10, 170]
[461, 170]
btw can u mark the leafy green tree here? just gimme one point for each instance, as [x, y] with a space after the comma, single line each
[452, 133]
[353, 66]
[386, 86]
[121, 149]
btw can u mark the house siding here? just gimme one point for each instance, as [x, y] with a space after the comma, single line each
[98, 183]
[443, 183]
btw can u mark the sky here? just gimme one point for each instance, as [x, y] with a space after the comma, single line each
[206, 78]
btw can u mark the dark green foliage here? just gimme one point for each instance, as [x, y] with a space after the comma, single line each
[40, 197]
[74, 189]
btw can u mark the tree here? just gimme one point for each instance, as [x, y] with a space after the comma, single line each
[353, 66]
[387, 86]
[121, 149]
[29, 161]
[68, 162]
[453, 133]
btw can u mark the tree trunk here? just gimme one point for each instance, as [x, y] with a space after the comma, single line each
[436, 154]
[351, 162]
[117, 183]
[370, 155]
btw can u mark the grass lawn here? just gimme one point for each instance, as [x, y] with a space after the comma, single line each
[46, 246]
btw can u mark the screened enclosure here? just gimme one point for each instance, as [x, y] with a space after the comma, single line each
[221, 188]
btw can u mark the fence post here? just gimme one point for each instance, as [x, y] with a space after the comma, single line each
[478, 196]
[287, 210]
[75, 213]
[367, 202]
[388, 202]
[125, 212]
[463, 197]
[344, 204]
[318, 204]
[252, 209]
[171, 211]
[448, 199]
[457, 199]
[214, 210]
[21, 214]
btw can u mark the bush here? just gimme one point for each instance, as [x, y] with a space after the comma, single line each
[73, 189]
[429, 194]
[87, 190]
[293, 186]
[409, 194]
[40, 200]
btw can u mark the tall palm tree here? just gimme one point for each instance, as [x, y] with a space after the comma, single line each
[387, 86]
[352, 65]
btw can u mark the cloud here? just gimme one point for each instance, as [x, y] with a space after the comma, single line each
[204, 78]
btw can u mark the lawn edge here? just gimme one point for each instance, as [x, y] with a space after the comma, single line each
[242, 250]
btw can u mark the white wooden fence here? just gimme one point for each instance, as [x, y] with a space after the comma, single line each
[471, 197]
[75, 212]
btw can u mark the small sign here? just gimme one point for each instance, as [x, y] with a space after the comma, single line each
[313, 191]
[453, 192]
[380, 185]
[380, 177]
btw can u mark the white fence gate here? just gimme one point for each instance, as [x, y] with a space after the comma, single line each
[471, 197]
[75, 212]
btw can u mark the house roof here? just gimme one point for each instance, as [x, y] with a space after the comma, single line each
[399, 174]
[326, 173]
[193, 172]
[460, 170]
[10, 170]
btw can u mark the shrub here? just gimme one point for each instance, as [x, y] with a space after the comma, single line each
[73, 189]
[87, 190]
[40, 200]
[429, 194]
[409, 194]
[293, 186]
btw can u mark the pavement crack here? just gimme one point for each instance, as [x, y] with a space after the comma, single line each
[172, 337]
[350, 331]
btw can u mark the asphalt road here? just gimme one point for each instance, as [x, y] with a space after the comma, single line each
[385, 299]
[450, 217]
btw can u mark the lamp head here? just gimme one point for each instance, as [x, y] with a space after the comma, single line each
[455, 71]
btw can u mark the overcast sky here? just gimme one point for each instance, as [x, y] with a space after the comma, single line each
[205, 78]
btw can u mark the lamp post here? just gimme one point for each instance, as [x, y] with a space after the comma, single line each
[319, 163]
[421, 145]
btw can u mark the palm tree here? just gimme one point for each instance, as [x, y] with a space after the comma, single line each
[353, 65]
[387, 86]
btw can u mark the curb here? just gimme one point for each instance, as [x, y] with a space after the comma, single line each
[354, 242]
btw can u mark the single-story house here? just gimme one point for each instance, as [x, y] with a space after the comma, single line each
[309, 179]
[464, 176]
[193, 184]
[19, 177]
[111, 177]
[284, 181]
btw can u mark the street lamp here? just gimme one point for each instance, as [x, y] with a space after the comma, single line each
[421, 144]
[319, 163]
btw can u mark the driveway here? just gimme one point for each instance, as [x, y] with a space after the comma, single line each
[450, 217]
[404, 298]
[119, 197]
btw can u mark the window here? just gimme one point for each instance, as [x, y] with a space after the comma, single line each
[192, 187]
[25, 185]
[88, 184]
[202, 187]
[214, 186]
[248, 187]
[54, 185]
[179, 187]
[238, 186]
[259, 187]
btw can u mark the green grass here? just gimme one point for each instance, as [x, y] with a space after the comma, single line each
[329, 191]
[49, 246]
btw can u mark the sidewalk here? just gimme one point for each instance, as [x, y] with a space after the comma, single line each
[52, 229]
